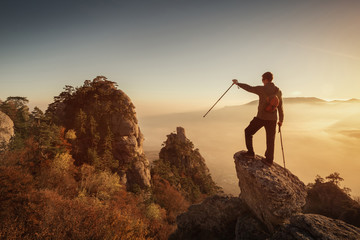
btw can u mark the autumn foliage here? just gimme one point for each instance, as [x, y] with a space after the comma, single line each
[45, 195]
[59, 179]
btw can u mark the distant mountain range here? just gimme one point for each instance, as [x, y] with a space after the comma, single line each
[310, 100]
[314, 129]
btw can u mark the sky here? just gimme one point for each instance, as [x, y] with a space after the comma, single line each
[179, 55]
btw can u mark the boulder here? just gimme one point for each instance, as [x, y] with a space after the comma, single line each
[273, 193]
[316, 227]
[214, 218]
[6, 129]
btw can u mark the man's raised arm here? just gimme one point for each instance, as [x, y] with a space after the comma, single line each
[247, 87]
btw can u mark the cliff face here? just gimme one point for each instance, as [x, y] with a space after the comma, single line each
[269, 207]
[6, 129]
[128, 145]
[107, 132]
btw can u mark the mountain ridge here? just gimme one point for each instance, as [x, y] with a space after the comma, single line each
[287, 100]
[309, 100]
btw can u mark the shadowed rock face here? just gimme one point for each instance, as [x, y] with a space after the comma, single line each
[273, 193]
[314, 227]
[128, 146]
[6, 128]
[214, 218]
[329, 200]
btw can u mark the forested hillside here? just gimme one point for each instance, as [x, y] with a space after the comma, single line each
[78, 171]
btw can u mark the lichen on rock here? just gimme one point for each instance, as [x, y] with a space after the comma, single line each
[273, 193]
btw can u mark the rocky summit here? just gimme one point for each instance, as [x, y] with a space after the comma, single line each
[6, 128]
[269, 207]
[273, 193]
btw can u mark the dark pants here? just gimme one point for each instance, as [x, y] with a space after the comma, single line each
[270, 128]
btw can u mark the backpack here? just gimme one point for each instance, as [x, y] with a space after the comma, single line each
[272, 102]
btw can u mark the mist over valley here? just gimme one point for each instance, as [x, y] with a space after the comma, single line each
[320, 137]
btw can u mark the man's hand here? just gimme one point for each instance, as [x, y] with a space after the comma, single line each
[235, 81]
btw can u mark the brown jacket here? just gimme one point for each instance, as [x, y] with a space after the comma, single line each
[263, 92]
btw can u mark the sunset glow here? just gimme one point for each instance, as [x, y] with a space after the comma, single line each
[179, 56]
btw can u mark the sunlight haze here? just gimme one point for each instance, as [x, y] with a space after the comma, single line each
[179, 57]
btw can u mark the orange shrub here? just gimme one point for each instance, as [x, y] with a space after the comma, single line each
[169, 198]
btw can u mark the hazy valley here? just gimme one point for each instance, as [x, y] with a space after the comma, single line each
[320, 137]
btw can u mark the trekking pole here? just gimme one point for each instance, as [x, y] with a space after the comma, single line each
[218, 99]
[282, 146]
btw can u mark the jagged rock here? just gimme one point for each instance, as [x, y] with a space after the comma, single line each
[214, 218]
[316, 227]
[181, 134]
[273, 193]
[6, 129]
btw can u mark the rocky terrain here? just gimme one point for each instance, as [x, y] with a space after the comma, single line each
[269, 207]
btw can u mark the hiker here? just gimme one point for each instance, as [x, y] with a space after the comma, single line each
[270, 102]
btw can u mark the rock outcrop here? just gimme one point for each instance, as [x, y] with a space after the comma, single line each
[6, 129]
[214, 218]
[107, 131]
[128, 146]
[187, 168]
[315, 227]
[269, 207]
[273, 193]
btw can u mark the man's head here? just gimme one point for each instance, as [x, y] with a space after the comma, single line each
[267, 77]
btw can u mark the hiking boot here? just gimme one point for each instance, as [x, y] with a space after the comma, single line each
[267, 161]
[248, 154]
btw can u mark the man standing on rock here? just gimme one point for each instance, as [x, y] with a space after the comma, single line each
[270, 103]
